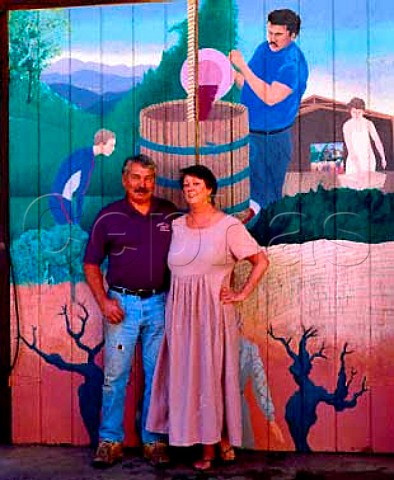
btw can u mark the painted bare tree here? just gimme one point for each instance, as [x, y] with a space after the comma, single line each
[301, 407]
[90, 391]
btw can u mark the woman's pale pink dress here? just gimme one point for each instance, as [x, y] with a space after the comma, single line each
[196, 391]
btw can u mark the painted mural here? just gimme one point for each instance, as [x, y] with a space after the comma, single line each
[316, 335]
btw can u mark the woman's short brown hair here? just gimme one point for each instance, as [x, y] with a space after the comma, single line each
[357, 103]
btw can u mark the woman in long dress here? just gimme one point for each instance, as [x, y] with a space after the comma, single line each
[196, 391]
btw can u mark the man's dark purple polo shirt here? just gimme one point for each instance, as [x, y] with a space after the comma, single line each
[136, 245]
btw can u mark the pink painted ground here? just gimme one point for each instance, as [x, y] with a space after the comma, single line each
[344, 289]
[45, 399]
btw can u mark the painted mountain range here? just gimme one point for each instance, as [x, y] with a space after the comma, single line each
[92, 86]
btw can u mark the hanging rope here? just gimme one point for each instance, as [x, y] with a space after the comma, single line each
[192, 69]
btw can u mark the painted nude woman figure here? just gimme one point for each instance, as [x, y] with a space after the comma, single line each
[358, 132]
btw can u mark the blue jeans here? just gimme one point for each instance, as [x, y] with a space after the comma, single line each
[269, 158]
[144, 319]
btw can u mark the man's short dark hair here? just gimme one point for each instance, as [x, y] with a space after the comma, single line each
[286, 17]
[141, 159]
[203, 173]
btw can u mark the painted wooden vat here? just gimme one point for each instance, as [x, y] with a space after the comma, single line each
[168, 138]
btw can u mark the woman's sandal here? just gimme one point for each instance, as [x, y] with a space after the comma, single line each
[203, 464]
[207, 459]
[227, 453]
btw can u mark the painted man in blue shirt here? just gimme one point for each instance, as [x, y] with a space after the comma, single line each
[272, 86]
[73, 178]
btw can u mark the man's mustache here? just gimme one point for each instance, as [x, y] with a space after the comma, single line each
[273, 43]
[141, 190]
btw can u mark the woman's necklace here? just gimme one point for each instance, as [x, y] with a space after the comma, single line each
[202, 219]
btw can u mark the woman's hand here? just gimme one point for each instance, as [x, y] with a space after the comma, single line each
[229, 296]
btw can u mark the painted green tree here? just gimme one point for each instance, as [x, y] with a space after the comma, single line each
[34, 40]
[218, 21]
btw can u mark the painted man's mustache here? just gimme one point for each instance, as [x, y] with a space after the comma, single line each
[141, 190]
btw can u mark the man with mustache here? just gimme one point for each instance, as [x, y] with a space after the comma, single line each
[272, 86]
[134, 235]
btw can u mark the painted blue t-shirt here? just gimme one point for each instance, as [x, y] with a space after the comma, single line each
[287, 66]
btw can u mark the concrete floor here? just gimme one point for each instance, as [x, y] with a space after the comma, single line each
[72, 463]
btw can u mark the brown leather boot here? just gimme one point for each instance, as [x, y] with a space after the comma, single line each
[156, 453]
[107, 454]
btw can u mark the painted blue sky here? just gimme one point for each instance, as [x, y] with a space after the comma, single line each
[347, 43]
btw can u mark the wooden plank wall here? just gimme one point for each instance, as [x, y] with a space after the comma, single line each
[340, 289]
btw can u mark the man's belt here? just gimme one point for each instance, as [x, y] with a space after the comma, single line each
[270, 132]
[139, 292]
